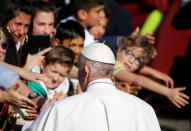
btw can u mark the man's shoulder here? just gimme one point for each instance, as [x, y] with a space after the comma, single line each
[72, 100]
[135, 101]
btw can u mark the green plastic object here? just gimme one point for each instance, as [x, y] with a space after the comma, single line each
[152, 22]
[37, 88]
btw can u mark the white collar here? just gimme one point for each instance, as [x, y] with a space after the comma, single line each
[100, 81]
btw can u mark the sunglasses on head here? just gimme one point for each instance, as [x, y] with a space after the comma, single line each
[4, 45]
[129, 52]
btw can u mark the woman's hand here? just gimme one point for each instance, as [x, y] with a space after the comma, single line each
[33, 60]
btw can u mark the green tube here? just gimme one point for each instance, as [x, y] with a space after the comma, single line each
[152, 22]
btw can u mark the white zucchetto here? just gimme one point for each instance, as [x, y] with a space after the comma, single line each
[99, 52]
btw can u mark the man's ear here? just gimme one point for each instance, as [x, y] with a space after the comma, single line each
[82, 14]
[42, 64]
[87, 70]
[57, 42]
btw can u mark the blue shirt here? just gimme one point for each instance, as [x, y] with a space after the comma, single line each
[7, 77]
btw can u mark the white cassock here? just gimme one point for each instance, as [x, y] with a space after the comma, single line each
[101, 108]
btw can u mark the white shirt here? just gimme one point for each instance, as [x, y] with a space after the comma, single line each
[89, 39]
[101, 108]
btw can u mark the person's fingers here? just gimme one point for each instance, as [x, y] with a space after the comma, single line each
[25, 105]
[176, 104]
[29, 102]
[30, 116]
[136, 32]
[42, 77]
[181, 89]
[166, 83]
[171, 83]
[180, 102]
[184, 101]
[31, 111]
[14, 87]
[44, 51]
[184, 96]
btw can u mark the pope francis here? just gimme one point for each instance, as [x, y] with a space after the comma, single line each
[102, 107]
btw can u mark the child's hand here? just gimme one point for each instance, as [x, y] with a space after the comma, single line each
[178, 98]
[150, 36]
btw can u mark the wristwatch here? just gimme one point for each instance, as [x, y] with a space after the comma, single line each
[32, 95]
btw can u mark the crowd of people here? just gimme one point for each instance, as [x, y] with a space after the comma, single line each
[86, 79]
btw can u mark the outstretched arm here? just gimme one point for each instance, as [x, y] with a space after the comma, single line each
[25, 74]
[173, 94]
[146, 70]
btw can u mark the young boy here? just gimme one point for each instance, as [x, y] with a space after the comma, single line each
[44, 16]
[87, 13]
[57, 66]
[131, 59]
[71, 34]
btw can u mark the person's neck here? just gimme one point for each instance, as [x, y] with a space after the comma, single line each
[96, 78]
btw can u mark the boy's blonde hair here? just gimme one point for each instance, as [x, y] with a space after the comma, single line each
[140, 41]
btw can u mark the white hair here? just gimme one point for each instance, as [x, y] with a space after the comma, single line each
[98, 69]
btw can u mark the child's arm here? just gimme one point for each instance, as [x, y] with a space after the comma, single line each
[173, 94]
[159, 75]
[25, 74]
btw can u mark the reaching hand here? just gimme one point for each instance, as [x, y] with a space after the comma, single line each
[13, 98]
[178, 98]
[30, 76]
[164, 77]
[148, 35]
[33, 60]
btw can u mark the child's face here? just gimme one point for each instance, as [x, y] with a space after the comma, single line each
[43, 23]
[56, 73]
[99, 30]
[75, 45]
[94, 15]
[130, 58]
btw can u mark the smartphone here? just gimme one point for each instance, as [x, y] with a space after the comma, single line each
[38, 42]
